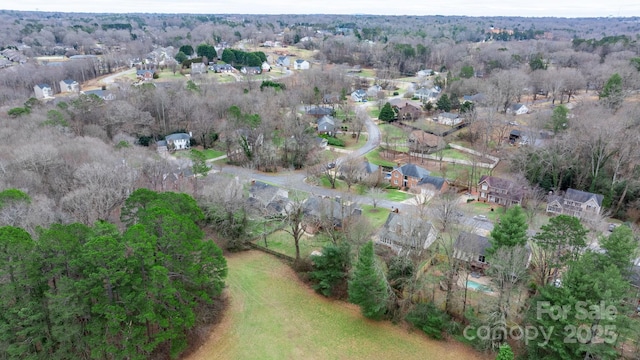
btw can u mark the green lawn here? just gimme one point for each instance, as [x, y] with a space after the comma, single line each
[392, 131]
[273, 315]
[375, 158]
[373, 112]
[282, 242]
[208, 153]
[376, 217]
[481, 208]
[397, 195]
[455, 154]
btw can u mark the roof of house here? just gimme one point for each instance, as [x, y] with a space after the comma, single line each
[69, 81]
[98, 92]
[369, 167]
[424, 138]
[474, 243]
[516, 107]
[43, 86]
[317, 207]
[411, 228]
[177, 136]
[402, 103]
[435, 181]
[359, 92]
[319, 110]
[326, 120]
[497, 182]
[300, 61]
[269, 197]
[413, 170]
[144, 71]
[449, 115]
[582, 196]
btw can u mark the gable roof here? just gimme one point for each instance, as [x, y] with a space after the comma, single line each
[319, 110]
[326, 121]
[402, 103]
[469, 242]
[583, 196]
[69, 81]
[177, 136]
[43, 86]
[407, 229]
[424, 138]
[497, 182]
[369, 167]
[413, 170]
[437, 182]
[300, 61]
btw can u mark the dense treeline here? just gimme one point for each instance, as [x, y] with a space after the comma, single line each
[94, 292]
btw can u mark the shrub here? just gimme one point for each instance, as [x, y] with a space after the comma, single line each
[428, 318]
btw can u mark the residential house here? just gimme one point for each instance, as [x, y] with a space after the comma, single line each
[499, 191]
[427, 94]
[373, 90]
[476, 99]
[517, 109]
[251, 70]
[327, 125]
[69, 86]
[406, 234]
[407, 175]
[331, 98]
[423, 142]
[424, 72]
[321, 211]
[406, 109]
[145, 74]
[178, 141]
[267, 199]
[430, 185]
[319, 111]
[300, 64]
[222, 68]
[102, 94]
[447, 118]
[359, 95]
[43, 91]
[283, 61]
[198, 68]
[581, 204]
[472, 249]
[265, 66]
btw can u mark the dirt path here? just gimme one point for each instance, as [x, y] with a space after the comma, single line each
[272, 315]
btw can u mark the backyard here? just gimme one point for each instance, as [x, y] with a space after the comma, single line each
[273, 315]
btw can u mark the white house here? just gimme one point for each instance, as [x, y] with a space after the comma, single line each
[450, 119]
[179, 141]
[69, 85]
[427, 94]
[43, 91]
[359, 95]
[283, 61]
[265, 66]
[517, 109]
[300, 64]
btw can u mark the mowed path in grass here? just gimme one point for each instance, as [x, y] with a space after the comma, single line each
[273, 315]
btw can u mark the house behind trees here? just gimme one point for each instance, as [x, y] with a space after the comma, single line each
[581, 204]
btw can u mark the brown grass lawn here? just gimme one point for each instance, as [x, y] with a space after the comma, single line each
[273, 315]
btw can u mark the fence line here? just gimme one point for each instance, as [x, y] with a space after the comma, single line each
[272, 252]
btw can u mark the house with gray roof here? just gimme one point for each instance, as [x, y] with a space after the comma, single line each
[69, 86]
[178, 141]
[359, 95]
[499, 191]
[407, 234]
[102, 94]
[268, 200]
[517, 109]
[427, 94]
[322, 211]
[447, 118]
[472, 249]
[327, 125]
[301, 64]
[580, 204]
[283, 61]
[43, 91]
[319, 111]
[407, 175]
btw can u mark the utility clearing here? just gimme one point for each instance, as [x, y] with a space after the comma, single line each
[273, 315]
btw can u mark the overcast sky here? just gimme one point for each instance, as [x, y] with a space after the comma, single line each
[537, 8]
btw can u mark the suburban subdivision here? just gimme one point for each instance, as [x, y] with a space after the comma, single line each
[193, 186]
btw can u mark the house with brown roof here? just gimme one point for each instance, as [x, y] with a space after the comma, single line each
[423, 142]
[580, 204]
[499, 191]
[406, 109]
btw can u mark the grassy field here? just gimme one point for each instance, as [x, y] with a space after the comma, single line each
[208, 153]
[393, 132]
[397, 195]
[272, 315]
[282, 242]
[375, 158]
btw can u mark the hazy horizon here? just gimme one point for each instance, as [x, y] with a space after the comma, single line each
[489, 8]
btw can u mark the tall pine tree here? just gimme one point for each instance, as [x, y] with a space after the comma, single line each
[510, 231]
[368, 287]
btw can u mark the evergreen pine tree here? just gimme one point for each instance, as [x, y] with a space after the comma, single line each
[368, 287]
[510, 231]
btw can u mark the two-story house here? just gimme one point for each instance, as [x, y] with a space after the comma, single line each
[499, 191]
[581, 204]
[406, 233]
[471, 248]
[327, 125]
[406, 109]
[407, 175]
[178, 141]
[43, 91]
[69, 86]
[301, 64]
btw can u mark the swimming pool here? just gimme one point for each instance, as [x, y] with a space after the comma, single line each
[477, 286]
